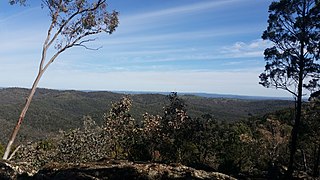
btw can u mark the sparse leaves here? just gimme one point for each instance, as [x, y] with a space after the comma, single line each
[74, 21]
[275, 138]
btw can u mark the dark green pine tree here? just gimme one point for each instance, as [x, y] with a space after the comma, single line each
[292, 63]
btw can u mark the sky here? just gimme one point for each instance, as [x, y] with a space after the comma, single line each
[207, 46]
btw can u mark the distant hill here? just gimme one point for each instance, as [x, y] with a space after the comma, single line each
[54, 110]
[210, 95]
[231, 96]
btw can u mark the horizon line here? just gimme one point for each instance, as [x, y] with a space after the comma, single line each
[199, 94]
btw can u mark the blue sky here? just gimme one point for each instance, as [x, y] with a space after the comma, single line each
[211, 46]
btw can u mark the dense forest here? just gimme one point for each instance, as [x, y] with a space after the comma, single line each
[253, 146]
[54, 110]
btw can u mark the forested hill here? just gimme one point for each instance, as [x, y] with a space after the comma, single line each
[54, 110]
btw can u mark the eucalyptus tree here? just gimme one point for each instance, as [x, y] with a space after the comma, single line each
[292, 62]
[73, 23]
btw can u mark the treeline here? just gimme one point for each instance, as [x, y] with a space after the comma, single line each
[257, 147]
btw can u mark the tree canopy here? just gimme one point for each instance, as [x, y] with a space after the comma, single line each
[292, 63]
[293, 27]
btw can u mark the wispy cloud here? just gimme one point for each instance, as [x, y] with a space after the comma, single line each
[179, 10]
[4, 19]
[167, 17]
[195, 46]
[242, 49]
[183, 36]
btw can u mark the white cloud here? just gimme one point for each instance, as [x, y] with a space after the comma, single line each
[252, 49]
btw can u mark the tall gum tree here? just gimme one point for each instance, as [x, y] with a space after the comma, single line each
[292, 63]
[73, 23]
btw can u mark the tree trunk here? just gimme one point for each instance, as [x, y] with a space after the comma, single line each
[22, 115]
[304, 159]
[296, 126]
[295, 130]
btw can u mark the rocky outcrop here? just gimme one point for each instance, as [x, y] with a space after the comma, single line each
[107, 169]
[11, 170]
[7, 171]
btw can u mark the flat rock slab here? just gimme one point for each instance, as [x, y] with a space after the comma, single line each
[109, 169]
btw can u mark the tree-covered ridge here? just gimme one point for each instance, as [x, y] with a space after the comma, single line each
[256, 147]
[53, 110]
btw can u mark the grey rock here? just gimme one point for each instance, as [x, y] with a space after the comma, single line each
[107, 169]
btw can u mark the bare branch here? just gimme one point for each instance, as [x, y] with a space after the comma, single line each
[85, 41]
[94, 49]
[14, 152]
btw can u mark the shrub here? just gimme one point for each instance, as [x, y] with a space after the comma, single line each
[91, 143]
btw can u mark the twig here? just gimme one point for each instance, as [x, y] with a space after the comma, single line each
[14, 152]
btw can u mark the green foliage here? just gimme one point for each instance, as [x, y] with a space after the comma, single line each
[120, 127]
[1, 150]
[72, 21]
[293, 28]
[82, 145]
[78, 145]
[235, 149]
[54, 110]
[173, 129]
[46, 145]
[247, 147]
[310, 135]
